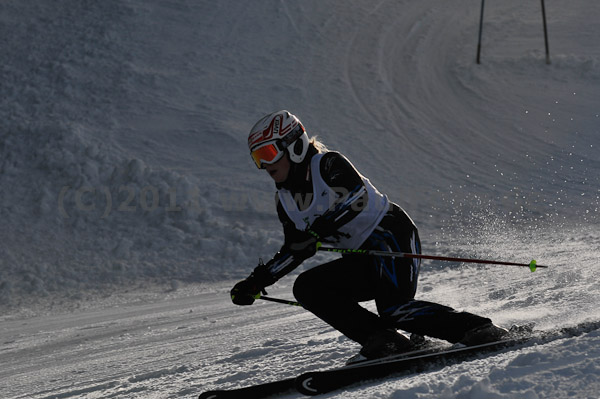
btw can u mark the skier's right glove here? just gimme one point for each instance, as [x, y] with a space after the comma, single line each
[247, 291]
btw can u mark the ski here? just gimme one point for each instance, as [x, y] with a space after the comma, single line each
[319, 382]
[253, 391]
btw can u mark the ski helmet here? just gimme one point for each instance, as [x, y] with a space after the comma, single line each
[275, 133]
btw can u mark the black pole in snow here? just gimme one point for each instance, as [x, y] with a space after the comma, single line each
[480, 33]
[545, 33]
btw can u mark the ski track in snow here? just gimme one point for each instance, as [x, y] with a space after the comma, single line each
[129, 204]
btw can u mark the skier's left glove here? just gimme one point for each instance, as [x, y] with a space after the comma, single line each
[247, 291]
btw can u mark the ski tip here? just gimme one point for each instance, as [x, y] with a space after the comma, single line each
[305, 384]
[533, 265]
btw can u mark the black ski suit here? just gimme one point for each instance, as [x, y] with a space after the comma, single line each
[332, 291]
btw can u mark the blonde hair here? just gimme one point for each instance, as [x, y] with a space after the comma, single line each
[318, 144]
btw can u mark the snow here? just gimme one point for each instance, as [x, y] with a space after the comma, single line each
[130, 206]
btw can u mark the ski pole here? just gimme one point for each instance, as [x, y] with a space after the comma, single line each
[532, 265]
[284, 301]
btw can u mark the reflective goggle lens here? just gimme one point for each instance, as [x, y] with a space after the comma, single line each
[265, 154]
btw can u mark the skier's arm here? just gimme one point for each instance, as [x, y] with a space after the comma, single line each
[298, 246]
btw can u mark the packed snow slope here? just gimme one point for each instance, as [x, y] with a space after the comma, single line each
[123, 163]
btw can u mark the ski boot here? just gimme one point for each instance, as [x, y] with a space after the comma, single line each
[483, 334]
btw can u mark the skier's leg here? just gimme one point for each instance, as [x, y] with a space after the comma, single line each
[434, 320]
[332, 292]
[395, 277]
[397, 283]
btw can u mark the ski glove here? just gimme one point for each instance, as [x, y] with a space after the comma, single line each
[247, 291]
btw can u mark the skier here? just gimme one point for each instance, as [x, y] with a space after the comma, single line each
[322, 198]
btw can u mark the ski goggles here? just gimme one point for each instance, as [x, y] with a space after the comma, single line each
[272, 151]
[268, 153]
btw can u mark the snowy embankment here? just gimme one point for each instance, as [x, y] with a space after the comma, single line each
[124, 126]
[123, 163]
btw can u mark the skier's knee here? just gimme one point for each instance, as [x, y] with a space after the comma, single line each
[303, 289]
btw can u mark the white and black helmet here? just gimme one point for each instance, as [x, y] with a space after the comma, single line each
[275, 133]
